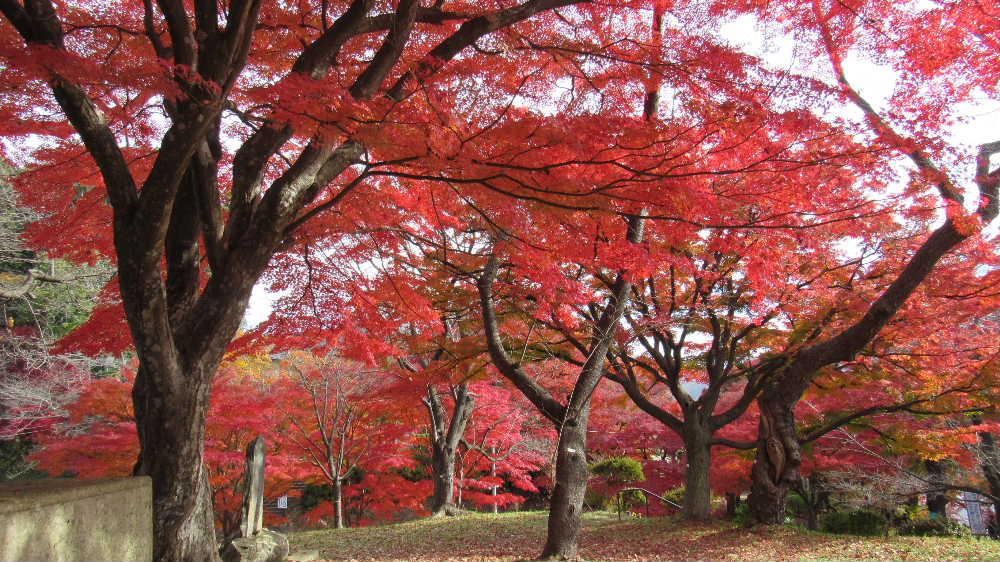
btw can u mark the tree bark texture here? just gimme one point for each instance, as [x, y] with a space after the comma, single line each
[566, 507]
[989, 460]
[697, 488]
[779, 456]
[338, 503]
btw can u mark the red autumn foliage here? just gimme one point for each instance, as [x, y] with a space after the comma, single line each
[98, 439]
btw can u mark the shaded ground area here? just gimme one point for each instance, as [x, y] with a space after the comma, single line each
[519, 536]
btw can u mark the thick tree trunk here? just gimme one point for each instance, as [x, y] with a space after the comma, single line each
[338, 503]
[779, 457]
[697, 489]
[443, 464]
[989, 460]
[566, 508]
[171, 424]
[171, 398]
[776, 467]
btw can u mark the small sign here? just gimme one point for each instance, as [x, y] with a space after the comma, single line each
[974, 510]
[283, 502]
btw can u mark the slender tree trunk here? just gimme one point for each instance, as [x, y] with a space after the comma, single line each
[812, 519]
[571, 420]
[493, 473]
[779, 457]
[814, 496]
[446, 435]
[937, 500]
[732, 502]
[230, 525]
[566, 508]
[338, 503]
[697, 489]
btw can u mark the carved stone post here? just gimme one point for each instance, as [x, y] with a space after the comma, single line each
[253, 499]
[256, 543]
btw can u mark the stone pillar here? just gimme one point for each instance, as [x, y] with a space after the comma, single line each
[257, 543]
[253, 500]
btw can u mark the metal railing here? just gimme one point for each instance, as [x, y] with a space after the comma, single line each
[671, 503]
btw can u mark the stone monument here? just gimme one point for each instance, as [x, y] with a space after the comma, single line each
[253, 499]
[256, 544]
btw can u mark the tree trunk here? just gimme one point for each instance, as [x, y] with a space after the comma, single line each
[338, 503]
[989, 461]
[937, 500]
[812, 518]
[779, 457]
[697, 489]
[566, 508]
[171, 425]
[443, 464]
[814, 496]
[571, 420]
[732, 503]
[171, 397]
[445, 437]
[493, 473]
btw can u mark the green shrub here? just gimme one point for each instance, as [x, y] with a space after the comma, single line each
[615, 471]
[675, 495]
[937, 527]
[742, 515]
[795, 505]
[619, 470]
[595, 499]
[904, 514]
[633, 498]
[856, 522]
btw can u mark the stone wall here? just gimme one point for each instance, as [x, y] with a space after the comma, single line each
[71, 520]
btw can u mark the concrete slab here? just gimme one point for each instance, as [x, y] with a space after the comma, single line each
[66, 520]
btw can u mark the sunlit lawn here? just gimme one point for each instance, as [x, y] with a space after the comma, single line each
[517, 536]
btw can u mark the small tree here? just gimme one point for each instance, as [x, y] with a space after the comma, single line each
[618, 473]
[338, 419]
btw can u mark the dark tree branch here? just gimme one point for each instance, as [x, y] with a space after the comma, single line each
[388, 54]
[467, 34]
[536, 393]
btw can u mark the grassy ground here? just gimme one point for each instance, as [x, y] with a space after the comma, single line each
[518, 536]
